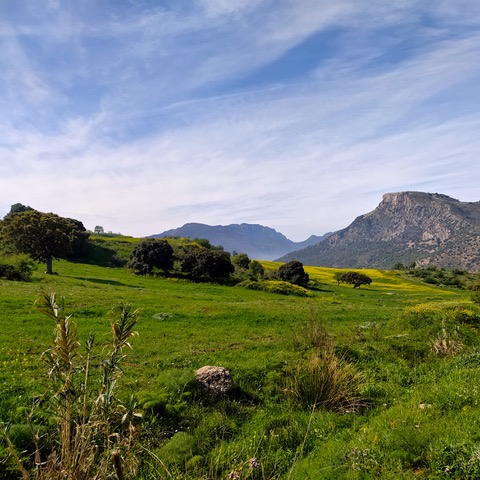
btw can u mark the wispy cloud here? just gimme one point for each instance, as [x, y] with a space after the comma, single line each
[297, 115]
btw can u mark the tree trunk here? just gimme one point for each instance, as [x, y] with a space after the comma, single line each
[49, 265]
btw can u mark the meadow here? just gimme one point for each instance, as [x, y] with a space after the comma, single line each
[410, 351]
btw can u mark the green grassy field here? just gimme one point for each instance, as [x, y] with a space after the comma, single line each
[421, 410]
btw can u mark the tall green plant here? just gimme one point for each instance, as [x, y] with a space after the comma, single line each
[94, 431]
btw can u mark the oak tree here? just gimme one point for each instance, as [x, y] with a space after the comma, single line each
[151, 254]
[207, 264]
[355, 278]
[293, 272]
[43, 236]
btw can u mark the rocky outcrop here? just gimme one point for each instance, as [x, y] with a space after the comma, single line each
[406, 227]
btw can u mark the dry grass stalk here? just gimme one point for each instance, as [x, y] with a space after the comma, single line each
[446, 344]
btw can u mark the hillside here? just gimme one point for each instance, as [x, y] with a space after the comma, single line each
[256, 241]
[406, 227]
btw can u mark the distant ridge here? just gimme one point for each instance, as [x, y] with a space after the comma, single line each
[257, 241]
[426, 228]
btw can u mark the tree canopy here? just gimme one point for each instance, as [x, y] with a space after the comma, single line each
[151, 254]
[256, 269]
[241, 260]
[293, 272]
[43, 236]
[207, 264]
[354, 278]
[18, 208]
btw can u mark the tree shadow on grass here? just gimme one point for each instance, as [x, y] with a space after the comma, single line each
[100, 255]
[105, 282]
[318, 287]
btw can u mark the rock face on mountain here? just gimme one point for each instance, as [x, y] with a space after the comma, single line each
[257, 241]
[426, 228]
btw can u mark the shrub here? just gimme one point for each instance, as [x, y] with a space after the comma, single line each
[423, 314]
[241, 261]
[286, 288]
[431, 314]
[16, 267]
[475, 287]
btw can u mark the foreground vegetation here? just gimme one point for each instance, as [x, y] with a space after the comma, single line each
[374, 382]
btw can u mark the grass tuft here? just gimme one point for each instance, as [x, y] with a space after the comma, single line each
[327, 381]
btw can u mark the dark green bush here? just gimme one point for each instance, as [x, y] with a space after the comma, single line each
[16, 267]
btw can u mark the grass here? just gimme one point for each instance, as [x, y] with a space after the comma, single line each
[420, 410]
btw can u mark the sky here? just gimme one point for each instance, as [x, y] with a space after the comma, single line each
[143, 115]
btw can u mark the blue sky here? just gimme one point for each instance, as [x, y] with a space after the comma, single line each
[143, 115]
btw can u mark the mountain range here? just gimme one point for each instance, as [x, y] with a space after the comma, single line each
[257, 241]
[428, 229]
[406, 227]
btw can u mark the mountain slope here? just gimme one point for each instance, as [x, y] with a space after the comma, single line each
[406, 227]
[256, 241]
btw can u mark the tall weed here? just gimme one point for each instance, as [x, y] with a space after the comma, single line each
[94, 433]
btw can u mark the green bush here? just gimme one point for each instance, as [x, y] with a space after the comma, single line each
[256, 269]
[16, 267]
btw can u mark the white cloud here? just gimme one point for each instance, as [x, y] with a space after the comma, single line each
[158, 136]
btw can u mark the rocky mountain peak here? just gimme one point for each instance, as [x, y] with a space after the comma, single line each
[426, 228]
